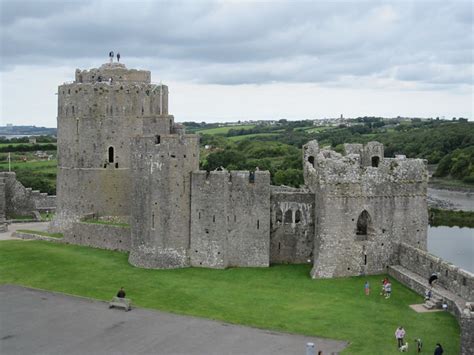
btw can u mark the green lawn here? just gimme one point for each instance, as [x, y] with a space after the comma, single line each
[224, 130]
[282, 298]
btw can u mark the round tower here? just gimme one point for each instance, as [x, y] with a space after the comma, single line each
[98, 113]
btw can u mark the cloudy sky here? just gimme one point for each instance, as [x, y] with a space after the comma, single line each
[231, 60]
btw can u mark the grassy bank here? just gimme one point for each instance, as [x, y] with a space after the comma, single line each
[282, 297]
[44, 234]
[439, 217]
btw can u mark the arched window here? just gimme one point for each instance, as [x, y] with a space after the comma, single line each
[289, 217]
[363, 223]
[375, 161]
[279, 215]
[311, 160]
[298, 216]
[111, 154]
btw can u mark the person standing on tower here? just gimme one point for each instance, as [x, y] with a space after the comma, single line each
[111, 56]
[118, 57]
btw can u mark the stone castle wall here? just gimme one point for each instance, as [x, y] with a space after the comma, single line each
[451, 277]
[230, 219]
[161, 187]
[102, 236]
[382, 196]
[292, 225]
[21, 200]
[3, 224]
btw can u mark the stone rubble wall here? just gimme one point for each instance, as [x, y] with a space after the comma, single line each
[450, 276]
[102, 236]
[21, 200]
[230, 219]
[3, 224]
[161, 203]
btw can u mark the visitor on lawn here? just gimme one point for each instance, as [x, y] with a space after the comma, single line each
[400, 334]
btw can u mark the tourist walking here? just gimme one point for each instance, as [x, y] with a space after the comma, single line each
[439, 349]
[111, 56]
[400, 335]
[367, 288]
[388, 289]
[118, 57]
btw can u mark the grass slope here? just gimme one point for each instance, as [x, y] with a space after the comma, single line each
[224, 130]
[282, 298]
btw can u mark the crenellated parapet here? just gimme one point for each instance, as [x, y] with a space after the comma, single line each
[118, 72]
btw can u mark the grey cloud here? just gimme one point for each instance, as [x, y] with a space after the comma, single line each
[235, 43]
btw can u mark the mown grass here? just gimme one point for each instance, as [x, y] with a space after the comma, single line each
[224, 130]
[45, 234]
[281, 297]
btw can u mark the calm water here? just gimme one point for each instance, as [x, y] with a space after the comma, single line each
[453, 244]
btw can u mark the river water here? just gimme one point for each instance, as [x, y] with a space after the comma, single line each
[453, 244]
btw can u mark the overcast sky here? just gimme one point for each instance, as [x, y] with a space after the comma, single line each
[227, 61]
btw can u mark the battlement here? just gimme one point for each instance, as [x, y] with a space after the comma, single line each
[118, 72]
[237, 178]
[364, 164]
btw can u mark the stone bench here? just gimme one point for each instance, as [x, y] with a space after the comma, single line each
[118, 302]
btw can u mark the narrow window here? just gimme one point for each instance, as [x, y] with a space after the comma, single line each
[73, 112]
[116, 165]
[464, 281]
[375, 161]
[199, 215]
[111, 154]
[214, 218]
[258, 224]
[279, 215]
[365, 259]
[153, 220]
[311, 160]
[288, 217]
[235, 218]
[362, 223]
[298, 216]
[143, 111]
[157, 139]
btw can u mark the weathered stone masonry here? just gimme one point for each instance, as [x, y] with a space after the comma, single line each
[121, 154]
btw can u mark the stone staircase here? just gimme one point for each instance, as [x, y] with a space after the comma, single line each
[435, 302]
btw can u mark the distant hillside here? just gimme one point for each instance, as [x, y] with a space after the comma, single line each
[27, 130]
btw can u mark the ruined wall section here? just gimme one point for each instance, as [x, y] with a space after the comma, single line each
[21, 200]
[230, 219]
[96, 120]
[389, 200]
[161, 189]
[102, 236]
[292, 225]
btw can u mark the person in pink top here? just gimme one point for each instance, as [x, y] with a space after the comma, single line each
[400, 334]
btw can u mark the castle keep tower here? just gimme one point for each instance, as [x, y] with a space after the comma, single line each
[365, 206]
[98, 113]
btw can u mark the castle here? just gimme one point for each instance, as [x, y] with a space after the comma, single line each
[121, 156]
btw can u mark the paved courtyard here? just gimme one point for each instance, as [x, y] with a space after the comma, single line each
[39, 322]
[38, 226]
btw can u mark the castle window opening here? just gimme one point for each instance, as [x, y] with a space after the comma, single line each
[375, 161]
[258, 224]
[153, 220]
[116, 165]
[199, 215]
[111, 154]
[464, 281]
[362, 223]
[279, 216]
[365, 259]
[214, 218]
[73, 110]
[311, 160]
[288, 217]
[298, 216]
[157, 139]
